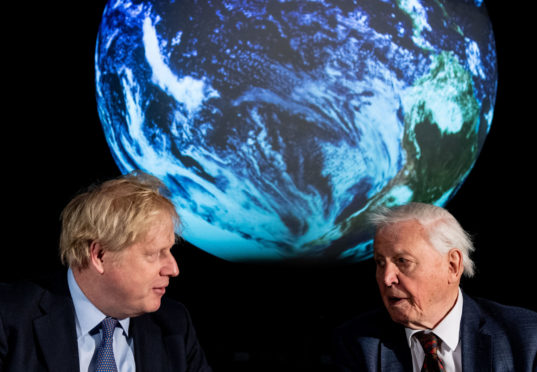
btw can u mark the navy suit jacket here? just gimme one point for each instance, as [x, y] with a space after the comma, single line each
[494, 338]
[38, 332]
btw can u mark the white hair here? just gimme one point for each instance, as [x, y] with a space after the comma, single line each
[443, 230]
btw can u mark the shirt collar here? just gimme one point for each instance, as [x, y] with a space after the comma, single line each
[87, 315]
[448, 329]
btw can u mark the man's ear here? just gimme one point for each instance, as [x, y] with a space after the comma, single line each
[455, 265]
[96, 256]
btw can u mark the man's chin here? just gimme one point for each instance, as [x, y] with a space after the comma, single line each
[398, 317]
[150, 307]
[153, 307]
[399, 313]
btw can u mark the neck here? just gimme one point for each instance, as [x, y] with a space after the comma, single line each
[89, 283]
[451, 300]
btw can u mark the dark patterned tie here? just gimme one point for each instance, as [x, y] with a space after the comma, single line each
[105, 353]
[432, 362]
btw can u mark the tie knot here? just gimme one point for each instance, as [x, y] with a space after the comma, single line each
[109, 324]
[428, 341]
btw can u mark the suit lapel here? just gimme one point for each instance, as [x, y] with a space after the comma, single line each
[149, 349]
[390, 361]
[56, 333]
[394, 351]
[475, 342]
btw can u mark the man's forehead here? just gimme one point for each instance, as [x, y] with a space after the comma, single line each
[401, 229]
[399, 236]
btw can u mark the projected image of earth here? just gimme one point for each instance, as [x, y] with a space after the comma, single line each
[279, 125]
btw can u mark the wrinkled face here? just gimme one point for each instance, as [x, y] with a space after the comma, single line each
[136, 278]
[413, 277]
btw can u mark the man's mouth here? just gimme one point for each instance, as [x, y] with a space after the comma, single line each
[160, 290]
[394, 300]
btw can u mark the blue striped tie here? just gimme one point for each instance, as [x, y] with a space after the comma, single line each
[105, 352]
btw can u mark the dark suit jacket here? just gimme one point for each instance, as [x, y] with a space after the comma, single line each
[494, 338]
[37, 332]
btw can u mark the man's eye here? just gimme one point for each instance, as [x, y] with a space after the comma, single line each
[379, 263]
[153, 255]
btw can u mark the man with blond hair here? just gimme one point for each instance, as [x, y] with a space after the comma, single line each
[107, 313]
[428, 323]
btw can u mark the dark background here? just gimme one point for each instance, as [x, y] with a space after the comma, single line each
[248, 317]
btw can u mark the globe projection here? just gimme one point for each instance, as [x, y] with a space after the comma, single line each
[279, 126]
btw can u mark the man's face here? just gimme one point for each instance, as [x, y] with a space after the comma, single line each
[136, 278]
[413, 277]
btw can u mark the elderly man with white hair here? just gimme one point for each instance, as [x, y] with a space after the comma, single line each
[421, 252]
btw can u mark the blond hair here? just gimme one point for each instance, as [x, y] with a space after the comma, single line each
[116, 213]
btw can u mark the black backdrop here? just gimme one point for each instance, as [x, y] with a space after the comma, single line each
[249, 317]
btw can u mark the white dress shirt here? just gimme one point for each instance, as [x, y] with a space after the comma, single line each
[89, 334]
[450, 347]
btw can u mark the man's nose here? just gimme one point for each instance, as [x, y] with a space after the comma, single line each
[169, 267]
[390, 276]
